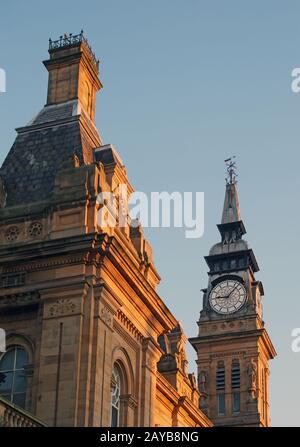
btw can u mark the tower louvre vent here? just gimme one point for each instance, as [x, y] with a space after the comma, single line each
[235, 375]
[220, 378]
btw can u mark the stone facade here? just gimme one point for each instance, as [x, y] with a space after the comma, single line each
[78, 297]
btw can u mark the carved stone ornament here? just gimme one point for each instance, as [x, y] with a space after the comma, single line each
[106, 316]
[252, 374]
[12, 233]
[35, 229]
[70, 161]
[129, 400]
[203, 381]
[62, 307]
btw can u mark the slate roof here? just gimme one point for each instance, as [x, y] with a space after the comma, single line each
[38, 152]
[55, 112]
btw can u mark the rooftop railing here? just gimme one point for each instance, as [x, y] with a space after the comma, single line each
[68, 40]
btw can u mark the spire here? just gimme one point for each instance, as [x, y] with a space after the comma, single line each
[232, 253]
[231, 227]
[231, 209]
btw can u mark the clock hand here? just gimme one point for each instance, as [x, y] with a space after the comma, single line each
[222, 297]
[233, 290]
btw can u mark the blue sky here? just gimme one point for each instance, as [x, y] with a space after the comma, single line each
[186, 84]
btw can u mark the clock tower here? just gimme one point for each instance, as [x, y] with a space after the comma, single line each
[233, 346]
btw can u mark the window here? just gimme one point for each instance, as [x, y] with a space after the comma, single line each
[236, 404]
[233, 263]
[242, 262]
[225, 265]
[13, 381]
[221, 404]
[115, 397]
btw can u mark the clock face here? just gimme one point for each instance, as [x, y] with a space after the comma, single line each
[227, 297]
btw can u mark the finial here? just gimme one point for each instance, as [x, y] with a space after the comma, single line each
[231, 170]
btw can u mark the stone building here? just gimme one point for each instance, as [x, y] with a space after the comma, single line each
[89, 341]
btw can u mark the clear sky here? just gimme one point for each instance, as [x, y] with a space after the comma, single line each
[186, 84]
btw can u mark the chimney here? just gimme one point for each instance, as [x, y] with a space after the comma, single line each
[73, 72]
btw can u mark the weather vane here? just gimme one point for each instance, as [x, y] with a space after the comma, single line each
[231, 170]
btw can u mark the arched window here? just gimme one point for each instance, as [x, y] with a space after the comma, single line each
[12, 375]
[115, 396]
[87, 97]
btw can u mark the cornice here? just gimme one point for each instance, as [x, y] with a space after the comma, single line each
[49, 248]
[258, 334]
[19, 299]
[47, 124]
[132, 274]
[129, 326]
